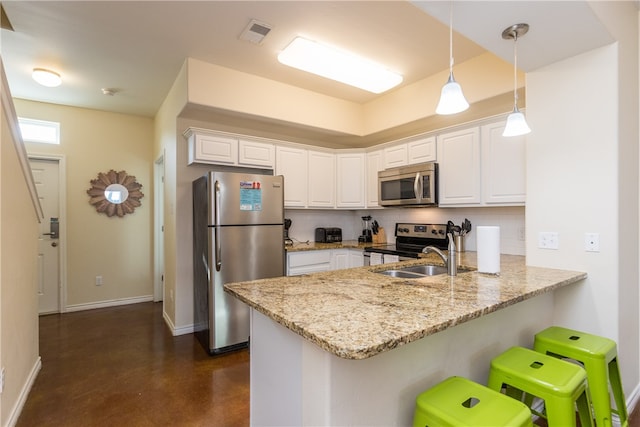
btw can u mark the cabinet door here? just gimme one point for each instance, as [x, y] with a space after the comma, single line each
[422, 150]
[503, 166]
[356, 258]
[395, 156]
[459, 164]
[292, 164]
[339, 259]
[256, 154]
[216, 149]
[350, 180]
[321, 192]
[308, 262]
[374, 165]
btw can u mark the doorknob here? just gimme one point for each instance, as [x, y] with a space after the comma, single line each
[54, 228]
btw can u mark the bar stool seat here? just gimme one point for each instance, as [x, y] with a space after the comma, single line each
[560, 384]
[458, 401]
[600, 359]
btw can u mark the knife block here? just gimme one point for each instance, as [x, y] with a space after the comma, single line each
[380, 238]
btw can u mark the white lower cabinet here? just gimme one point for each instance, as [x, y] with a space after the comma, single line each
[307, 262]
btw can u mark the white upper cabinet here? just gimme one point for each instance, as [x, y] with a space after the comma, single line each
[321, 191]
[291, 162]
[256, 154]
[375, 163]
[503, 166]
[210, 147]
[396, 156]
[422, 150]
[459, 167]
[350, 180]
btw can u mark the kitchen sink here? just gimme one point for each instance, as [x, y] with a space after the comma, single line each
[415, 272]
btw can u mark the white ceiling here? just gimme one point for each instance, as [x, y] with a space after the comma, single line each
[138, 47]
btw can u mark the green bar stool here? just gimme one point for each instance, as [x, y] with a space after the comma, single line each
[562, 385]
[600, 359]
[458, 401]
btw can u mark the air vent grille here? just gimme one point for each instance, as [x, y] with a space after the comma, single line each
[255, 32]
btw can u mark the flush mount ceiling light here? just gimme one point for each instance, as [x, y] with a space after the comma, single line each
[516, 123]
[46, 77]
[335, 64]
[452, 99]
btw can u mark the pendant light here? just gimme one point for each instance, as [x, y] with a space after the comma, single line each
[451, 98]
[516, 123]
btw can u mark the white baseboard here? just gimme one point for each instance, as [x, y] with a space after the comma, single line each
[183, 330]
[24, 393]
[109, 303]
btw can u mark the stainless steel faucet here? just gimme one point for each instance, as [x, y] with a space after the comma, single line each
[451, 261]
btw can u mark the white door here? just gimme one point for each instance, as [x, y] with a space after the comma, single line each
[46, 176]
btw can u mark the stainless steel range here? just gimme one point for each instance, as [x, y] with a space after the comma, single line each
[410, 240]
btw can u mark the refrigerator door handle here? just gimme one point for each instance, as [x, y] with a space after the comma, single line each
[216, 215]
[206, 267]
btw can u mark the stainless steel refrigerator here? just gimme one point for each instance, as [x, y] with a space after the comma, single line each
[238, 227]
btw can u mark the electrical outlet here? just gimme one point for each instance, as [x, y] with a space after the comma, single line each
[98, 280]
[522, 235]
[592, 242]
[548, 240]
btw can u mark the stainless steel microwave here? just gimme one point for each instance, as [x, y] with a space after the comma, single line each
[415, 185]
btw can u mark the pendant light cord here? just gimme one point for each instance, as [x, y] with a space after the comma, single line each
[515, 69]
[451, 37]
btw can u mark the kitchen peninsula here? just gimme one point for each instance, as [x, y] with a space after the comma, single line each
[354, 347]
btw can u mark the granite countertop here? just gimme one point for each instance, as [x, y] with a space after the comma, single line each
[357, 313]
[315, 246]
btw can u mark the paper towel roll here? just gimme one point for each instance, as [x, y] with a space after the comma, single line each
[488, 242]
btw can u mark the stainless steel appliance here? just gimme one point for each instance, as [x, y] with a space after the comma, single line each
[415, 185]
[238, 224]
[328, 235]
[410, 240]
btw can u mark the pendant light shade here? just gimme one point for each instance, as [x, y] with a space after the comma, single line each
[516, 122]
[452, 99]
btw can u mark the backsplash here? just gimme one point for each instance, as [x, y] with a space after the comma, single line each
[510, 220]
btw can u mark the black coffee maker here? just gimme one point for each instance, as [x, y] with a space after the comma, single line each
[287, 225]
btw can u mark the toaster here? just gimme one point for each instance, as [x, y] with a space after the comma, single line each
[328, 234]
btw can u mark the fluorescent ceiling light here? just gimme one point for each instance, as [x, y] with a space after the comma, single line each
[332, 63]
[46, 77]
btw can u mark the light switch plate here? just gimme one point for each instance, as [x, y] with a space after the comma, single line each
[548, 240]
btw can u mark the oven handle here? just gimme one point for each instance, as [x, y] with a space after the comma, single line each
[417, 188]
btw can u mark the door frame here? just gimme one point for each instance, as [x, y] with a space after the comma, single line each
[158, 231]
[62, 207]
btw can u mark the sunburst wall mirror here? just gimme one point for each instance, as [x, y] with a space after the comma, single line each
[115, 193]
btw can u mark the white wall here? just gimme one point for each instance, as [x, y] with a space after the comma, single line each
[577, 155]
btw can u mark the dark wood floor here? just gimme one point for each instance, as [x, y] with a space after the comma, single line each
[121, 367]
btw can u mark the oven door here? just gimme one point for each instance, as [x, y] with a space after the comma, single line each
[410, 186]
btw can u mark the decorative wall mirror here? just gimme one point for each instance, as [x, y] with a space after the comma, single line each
[115, 193]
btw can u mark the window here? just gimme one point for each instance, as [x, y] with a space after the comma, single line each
[39, 131]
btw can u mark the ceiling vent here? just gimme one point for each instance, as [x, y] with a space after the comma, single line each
[255, 32]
